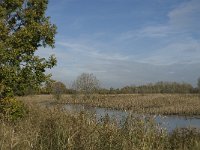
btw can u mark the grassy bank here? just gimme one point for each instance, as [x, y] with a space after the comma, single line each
[53, 129]
[166, 104]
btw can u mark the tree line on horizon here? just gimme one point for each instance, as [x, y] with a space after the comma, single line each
[88, 84]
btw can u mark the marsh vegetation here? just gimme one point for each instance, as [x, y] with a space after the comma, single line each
[51, 128]
[164, 104]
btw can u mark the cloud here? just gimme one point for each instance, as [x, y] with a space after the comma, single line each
[183, 19]
[157, 31]
[186, 16]
[74, 59]
[175, 41]
[168, 51]
[182, 52]
[91, 52]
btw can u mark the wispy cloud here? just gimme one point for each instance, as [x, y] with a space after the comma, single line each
[176, 35]
[157, 31]
[186, 16]
[182, 19]
[91, 52]
[120, 53]
[185, 52]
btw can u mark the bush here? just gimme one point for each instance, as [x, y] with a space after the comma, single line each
[12, 109]
[58, 88]
[5, 92]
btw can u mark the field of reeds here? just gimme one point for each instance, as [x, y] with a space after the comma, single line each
[164, 104]
[55, 129]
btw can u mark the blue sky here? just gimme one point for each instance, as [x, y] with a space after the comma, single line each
[125, 42]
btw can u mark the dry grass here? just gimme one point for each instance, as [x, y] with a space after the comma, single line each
[53, 129]
[35, 99]
[166, 104]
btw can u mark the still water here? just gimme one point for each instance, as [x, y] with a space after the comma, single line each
[168, 122]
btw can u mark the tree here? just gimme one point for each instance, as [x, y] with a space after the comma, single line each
[58, 88]
[198, 84]
[23, 29]
[86, 83]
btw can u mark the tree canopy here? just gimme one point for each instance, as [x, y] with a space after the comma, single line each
[86, 83]
[23, 29]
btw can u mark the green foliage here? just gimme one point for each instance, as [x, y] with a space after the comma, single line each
[47, 89]
[23, 29]
[6, 92]
[12, 109]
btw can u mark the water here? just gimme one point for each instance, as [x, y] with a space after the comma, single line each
[168, 122]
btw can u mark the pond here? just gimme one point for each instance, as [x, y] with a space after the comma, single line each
[168, 122]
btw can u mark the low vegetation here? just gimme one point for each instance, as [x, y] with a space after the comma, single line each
[50, 129]
[12, 109]
[166, 104]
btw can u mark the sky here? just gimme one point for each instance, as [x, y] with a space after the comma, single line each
[126, 42]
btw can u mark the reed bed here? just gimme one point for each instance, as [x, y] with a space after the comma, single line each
[160, 104]
[163, 104]
[55, 129]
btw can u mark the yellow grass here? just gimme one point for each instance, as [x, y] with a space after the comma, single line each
[167, 104]
[53, 129]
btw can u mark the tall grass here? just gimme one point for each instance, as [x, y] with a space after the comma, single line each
[165, 104]
[54, 129]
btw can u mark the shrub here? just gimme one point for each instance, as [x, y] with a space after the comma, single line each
[12, 109]
[5, 92]
[58, 88]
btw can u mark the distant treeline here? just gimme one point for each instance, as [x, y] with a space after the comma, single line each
[159, 87]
